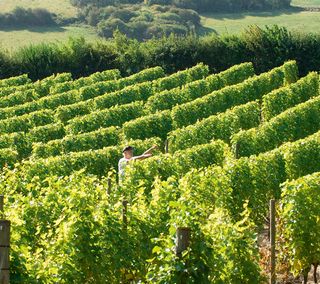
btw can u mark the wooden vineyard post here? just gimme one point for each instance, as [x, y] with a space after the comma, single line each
[124, 214]
[182, 240]
[109, 186]
[1, 204]
[125, 227]
[183, 235]
[273, 241]
[236, 151]
[166, 146]
[4, 247]
[315, 279]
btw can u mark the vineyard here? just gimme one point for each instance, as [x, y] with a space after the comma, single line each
[228, 143]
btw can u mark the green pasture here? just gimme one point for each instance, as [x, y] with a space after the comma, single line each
[302, 21]
[61, 7]
[13, 39]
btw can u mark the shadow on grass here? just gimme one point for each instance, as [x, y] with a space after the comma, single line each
[35, 29]
[264, 14]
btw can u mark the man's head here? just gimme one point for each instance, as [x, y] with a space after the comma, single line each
[127, 152]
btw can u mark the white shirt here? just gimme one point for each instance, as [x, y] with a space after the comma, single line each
[123, 162]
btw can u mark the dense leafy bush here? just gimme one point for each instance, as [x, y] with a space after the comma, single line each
[218, 6]
[140, 21]
[21, 17]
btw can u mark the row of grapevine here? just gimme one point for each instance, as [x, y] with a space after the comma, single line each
[177, 164]
[26, 122]
[219, 101]
[161, 123]
[22, 142]
[197, 202]
[258, 178]
[97, 162]
[299, 226]
[295, 123]
[34, 103]
[8, 157]
[107, 117]
[158, 124]
[137, 92]
[221, 126]
[6, 91]
[181, 78]
[76, 143]
[14, 81]
[106, 75]
[62, 226]
[169, 98]
[35, 91]
[279, 100]
[115, 116]
[84, 96]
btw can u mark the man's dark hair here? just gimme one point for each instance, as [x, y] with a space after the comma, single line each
[127, 148]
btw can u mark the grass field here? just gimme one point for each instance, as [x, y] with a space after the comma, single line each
[220, 23]
[61, 7]
[13, 39]
[234, 23]
[306, 3]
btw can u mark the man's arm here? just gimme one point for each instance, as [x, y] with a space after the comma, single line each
[149, 150]
[141, 157]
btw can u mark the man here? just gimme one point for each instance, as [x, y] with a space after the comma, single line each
[128, 156]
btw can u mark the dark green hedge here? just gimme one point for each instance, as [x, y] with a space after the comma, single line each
[266, 48]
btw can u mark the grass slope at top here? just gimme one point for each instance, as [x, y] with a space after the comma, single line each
[13, 39]
[235, 23]
[306, 3]
[60, 7]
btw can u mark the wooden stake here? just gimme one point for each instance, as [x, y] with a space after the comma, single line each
[1, 204]
[124, 214]
[273, 241]
[4, 251]
[166, 146]
[236, 153]
[182, 240]
[109, 186]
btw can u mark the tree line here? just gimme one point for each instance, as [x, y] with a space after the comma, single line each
[199, 5]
